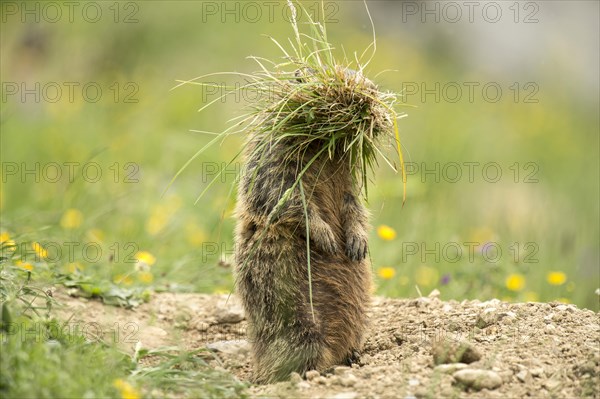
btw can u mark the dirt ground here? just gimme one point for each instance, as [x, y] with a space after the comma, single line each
[415, 347]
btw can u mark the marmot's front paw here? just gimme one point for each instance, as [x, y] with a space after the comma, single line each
[356, 246]
[324, 238]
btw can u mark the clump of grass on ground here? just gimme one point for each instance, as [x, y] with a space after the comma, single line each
[313, 99]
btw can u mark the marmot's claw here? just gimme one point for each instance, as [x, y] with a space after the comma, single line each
[356, 247]
[353, 358]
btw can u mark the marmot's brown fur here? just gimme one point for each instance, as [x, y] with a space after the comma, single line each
[272, 278]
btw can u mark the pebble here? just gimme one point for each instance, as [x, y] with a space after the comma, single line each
[434, 294]
[449, 368]
[232, 347]
[295, 378]
[303, 385]
[228, 314]
[478, 379]
[523, 375]
[448, 351]
[551, 385]
[345, 395]
[349, 380]
[340, 370]
[321, 380]
[312, 374]
[537, 372]
[413, 382]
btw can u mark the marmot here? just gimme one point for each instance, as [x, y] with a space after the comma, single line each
[271, 267]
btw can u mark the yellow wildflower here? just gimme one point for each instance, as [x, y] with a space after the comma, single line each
[556, 278]
[74, 267]
[24, 265]
[386, 273]
[71, 219]
[4, 236]
[221, 291]
[126, 390]
[6, 242]
[386, 232]
[123, 279]
[39, 250]
[426, 276]
[146, 277]
[515, 282]
[145, 257]
[563, 300]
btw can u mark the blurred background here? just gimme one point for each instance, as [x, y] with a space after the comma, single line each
[501, 142]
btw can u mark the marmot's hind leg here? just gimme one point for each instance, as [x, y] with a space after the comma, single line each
[278, 357]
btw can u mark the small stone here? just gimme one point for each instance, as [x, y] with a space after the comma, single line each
[348, 380]
[228, 314]
[537, 372]
[449, 351]
[295, 378]
[202, 326]
[303, 385]
[345, 395]
[413, 382]
[232, 347]
[478, 379]
[523, 375]
[434, 294]
[449, 368]
[312, 375]
[321, 380]
[341, 370]
[551, 385]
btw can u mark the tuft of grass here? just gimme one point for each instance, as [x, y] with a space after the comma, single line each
[312, 99]
[172, 372]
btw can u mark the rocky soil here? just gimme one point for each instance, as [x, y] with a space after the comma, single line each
[415, 348]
